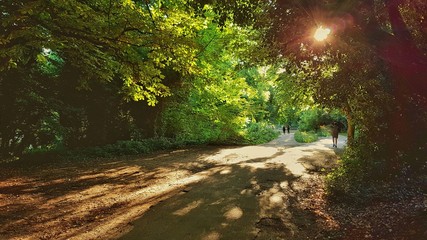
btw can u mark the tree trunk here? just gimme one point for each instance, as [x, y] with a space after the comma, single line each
[408, 68]
[145, 117]
[350, 131]
[407, 63]
[350, 126]
[97, 130]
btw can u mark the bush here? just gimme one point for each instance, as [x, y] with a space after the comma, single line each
[121, 148]
[305, 137]
[364, 164]
[315, 119]
[258, 133]
[323, 132]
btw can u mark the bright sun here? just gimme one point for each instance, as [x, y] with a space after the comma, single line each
[321, 33]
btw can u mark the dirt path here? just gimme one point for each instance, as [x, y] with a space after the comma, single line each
[251, 193]
[201, 193]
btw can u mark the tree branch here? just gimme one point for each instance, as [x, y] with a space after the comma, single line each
[151, 14]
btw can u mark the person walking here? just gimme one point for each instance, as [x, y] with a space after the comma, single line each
[288, 128]
[334, 132]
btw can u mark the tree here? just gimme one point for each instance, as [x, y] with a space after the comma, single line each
[97, 59]
[227, 95]
[111, 51]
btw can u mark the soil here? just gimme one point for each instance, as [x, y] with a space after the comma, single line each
[269, 191]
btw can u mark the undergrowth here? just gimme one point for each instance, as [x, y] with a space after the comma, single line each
[256, 133]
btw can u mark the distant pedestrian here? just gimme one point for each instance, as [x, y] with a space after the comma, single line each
[284, 129]
[288, 128]
[334, 132]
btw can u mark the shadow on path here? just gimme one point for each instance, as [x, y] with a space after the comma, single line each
[255, 195]
[205, 193]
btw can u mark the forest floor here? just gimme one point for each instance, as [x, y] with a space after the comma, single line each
[269, 191]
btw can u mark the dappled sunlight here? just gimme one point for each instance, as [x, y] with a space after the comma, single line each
[297, 169]
[291, 155]
[253, 166]
[77, 201]
[188, 208]
[217, 210]
[272, 201]
[112, 173]
[225, 171]
[277, 199]
[274, 152]
[247, 192]
[237, 155]
[212, 236]
[284, 185]
[234, 213]
[241, 186]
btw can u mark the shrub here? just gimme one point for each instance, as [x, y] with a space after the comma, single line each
[305, 137]
[315, 119]
[258, 133]
[323, 132]
[363, 165]
[123, 148]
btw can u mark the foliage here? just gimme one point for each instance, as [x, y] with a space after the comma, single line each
[120, 148]
[67, 53]
[27, 114]
[324, 131]
[313, 119]
[305, 137]
[357, 70]
[104, 39]
[257, 133]
[361, 168]
[228, 101]
[73, 69]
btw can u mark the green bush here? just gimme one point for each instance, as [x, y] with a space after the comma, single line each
[315, 119]
[310, 120]
[305, 137]
[363, 165]
[121, 148]
[258, 133]
[323, 132]
[255, 133]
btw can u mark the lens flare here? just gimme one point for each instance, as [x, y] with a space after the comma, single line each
[321, 33]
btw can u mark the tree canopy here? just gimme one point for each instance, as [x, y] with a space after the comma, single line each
[81, 73]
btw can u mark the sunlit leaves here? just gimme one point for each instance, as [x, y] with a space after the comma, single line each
[49, 62]
[220, 94]
[104, 39]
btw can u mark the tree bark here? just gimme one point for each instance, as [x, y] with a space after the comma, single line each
[408, 70]
[407, 63]
[350, 126]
